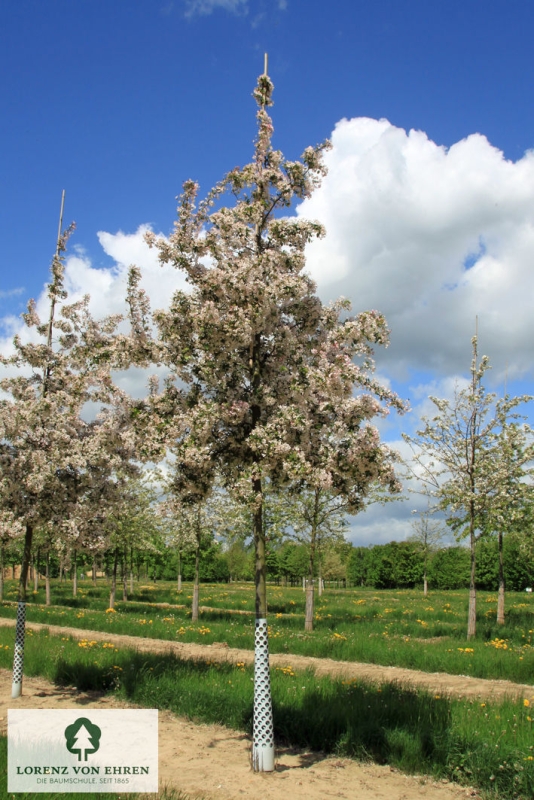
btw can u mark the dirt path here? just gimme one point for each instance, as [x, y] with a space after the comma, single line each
[212, 762]
[436, 682]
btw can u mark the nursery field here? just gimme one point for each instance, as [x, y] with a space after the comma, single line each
[482, 741]
[485, 743]
[391, 628]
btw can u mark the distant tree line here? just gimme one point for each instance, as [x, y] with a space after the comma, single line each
[396, 565]
[399, 565]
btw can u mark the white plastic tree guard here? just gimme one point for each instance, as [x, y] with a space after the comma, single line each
[18, 659]
[262, 731]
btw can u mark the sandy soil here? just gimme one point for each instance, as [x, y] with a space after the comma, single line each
[213, 762]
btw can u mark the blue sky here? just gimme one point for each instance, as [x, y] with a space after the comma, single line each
[429, 202]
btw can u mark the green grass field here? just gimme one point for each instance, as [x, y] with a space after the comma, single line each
[488, 745]
[484, 744]
[392, 628]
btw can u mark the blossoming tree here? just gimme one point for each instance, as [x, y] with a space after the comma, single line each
[50, 456]
[249, 349]
[465, 460]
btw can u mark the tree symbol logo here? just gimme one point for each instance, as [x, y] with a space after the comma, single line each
[83, 738]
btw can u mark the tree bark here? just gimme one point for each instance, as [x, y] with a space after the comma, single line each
[472, 614]
[47, 579]
[179, 579]
[74, 574]
[93, 571]
[308, 619]
[113, 592]
[26, 560]
[123, 575]
[259, 546]
[36, 573]
[500, 599]
[20, 628]
[196, 584]
[1, 572]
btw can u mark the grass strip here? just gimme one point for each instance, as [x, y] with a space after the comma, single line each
[482, 744]
[492, 658]
[400, 628]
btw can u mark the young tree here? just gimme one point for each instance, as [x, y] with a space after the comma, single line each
[253, 343]
[456, 457]
[509, 510]
[193, 524]
[131, 524]
[333, 567]
[44, 439]
[316, 517]
[10, 530]
[427, 535]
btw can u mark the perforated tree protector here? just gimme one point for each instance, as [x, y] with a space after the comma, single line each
[18, 660]
[262, 732]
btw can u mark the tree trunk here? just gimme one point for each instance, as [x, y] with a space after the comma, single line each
[131, 571]
[472, 614]
[500, 599]
[93, 571]
[179, 580]
[262, 719]
[75, 574]
[1, 572]
[47, 578]
[124, 584]
[308, 620]
[425, 581]
[36, 573]
[260, 562]
[20, 629]
[113, 591]
[26, 559]
[262, 727]
[196, 583]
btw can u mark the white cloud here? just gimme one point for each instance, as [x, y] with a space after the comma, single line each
[431, 237]
[11, 292]
[160, 282]
[107, 290]
[204, 7]
[381, 524]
